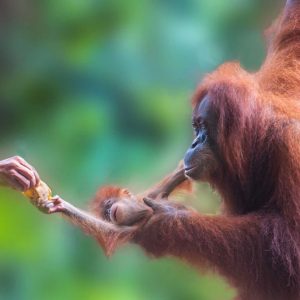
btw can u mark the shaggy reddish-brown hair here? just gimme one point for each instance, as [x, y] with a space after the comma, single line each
[255, 244]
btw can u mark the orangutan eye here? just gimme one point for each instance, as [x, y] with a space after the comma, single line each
[200, 131]
[202, 136]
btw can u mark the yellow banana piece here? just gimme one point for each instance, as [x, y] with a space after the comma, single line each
[39, 195]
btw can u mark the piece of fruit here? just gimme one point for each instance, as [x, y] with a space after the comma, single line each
[40, 196]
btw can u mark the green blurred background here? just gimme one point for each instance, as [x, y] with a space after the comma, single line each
[95, 92]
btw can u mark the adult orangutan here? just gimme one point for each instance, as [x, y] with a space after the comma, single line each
[247, 146]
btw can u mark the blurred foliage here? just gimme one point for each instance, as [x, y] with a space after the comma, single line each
[95, 92]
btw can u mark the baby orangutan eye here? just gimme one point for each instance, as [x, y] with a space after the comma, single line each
[106, 209]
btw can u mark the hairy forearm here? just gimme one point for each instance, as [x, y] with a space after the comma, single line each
[86, 221]
[198, 238]
[106, 233]
[168, 185]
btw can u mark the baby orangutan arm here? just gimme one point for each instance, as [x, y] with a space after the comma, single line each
[119, 206]
[175, 181]
[108, 235]
[115, 215]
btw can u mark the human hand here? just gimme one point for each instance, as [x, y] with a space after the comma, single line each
[16, 173]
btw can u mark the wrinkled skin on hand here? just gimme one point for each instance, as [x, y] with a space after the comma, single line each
[17, 174]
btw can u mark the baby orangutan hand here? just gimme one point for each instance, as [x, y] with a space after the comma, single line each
[41, 197]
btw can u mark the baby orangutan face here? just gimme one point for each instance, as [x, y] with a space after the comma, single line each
[119, 206]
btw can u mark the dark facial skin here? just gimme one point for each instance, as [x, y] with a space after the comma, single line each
[200, 160]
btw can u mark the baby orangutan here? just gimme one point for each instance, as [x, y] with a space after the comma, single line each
[118, 206]
[116, 214]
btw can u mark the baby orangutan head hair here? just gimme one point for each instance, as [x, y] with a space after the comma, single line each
[117, 205]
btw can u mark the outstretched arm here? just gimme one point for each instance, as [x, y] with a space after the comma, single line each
[109, 235]
[219, 241]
